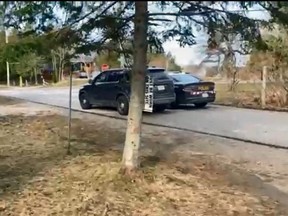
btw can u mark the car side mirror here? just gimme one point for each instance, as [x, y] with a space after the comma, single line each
[90, 81]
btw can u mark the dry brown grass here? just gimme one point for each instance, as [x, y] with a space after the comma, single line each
[36, 178]
[65, 83]
[249, 94]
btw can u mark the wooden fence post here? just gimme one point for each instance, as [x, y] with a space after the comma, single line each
[263, 89]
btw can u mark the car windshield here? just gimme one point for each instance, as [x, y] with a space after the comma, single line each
[184, 78]
[158, 74]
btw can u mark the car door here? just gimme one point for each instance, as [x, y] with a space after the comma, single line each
[114, 86]
[98, 89]
[124, 80]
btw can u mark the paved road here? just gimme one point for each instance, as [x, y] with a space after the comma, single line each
[261, 126]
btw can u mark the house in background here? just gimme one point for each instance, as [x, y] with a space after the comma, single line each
[83, 65]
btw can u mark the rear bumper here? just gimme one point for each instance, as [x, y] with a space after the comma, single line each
[163, 101]
[194, 100]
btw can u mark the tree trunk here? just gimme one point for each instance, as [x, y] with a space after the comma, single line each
[20, 81]
[35, 76]
[134, 120]
[60, 73]
[54, 63]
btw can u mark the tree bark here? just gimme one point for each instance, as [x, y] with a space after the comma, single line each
[20, 81]
[54, 63]
[60, 73]
[35, 76]
[62, 52]
[134, 120]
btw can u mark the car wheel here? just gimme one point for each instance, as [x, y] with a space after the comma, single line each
[200, 105]
[84, 102]
[159, 108]
[122, 105]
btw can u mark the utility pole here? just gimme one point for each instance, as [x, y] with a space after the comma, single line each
[7, 63]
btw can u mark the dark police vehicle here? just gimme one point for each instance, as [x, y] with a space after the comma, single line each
[111, 88]
[192, 90]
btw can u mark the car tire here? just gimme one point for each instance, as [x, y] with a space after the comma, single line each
[84, 102]
[159, 108]
[200, 105]
[122, 105]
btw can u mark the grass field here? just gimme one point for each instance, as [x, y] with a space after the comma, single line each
[38, 178]
[249, 94]
[243, 91]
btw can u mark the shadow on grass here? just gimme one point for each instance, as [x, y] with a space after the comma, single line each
[9, 101]
[32, 146]
[14, 175]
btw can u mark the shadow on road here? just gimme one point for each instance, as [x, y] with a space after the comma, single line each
[104, 108]
[192, 107]
[168, 111]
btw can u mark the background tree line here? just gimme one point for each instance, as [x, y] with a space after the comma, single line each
[29, 54]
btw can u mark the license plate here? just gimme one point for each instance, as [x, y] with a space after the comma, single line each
[161, 88]
[203, 88]
[205, 95]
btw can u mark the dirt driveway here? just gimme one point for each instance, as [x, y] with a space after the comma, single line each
[176, 177]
